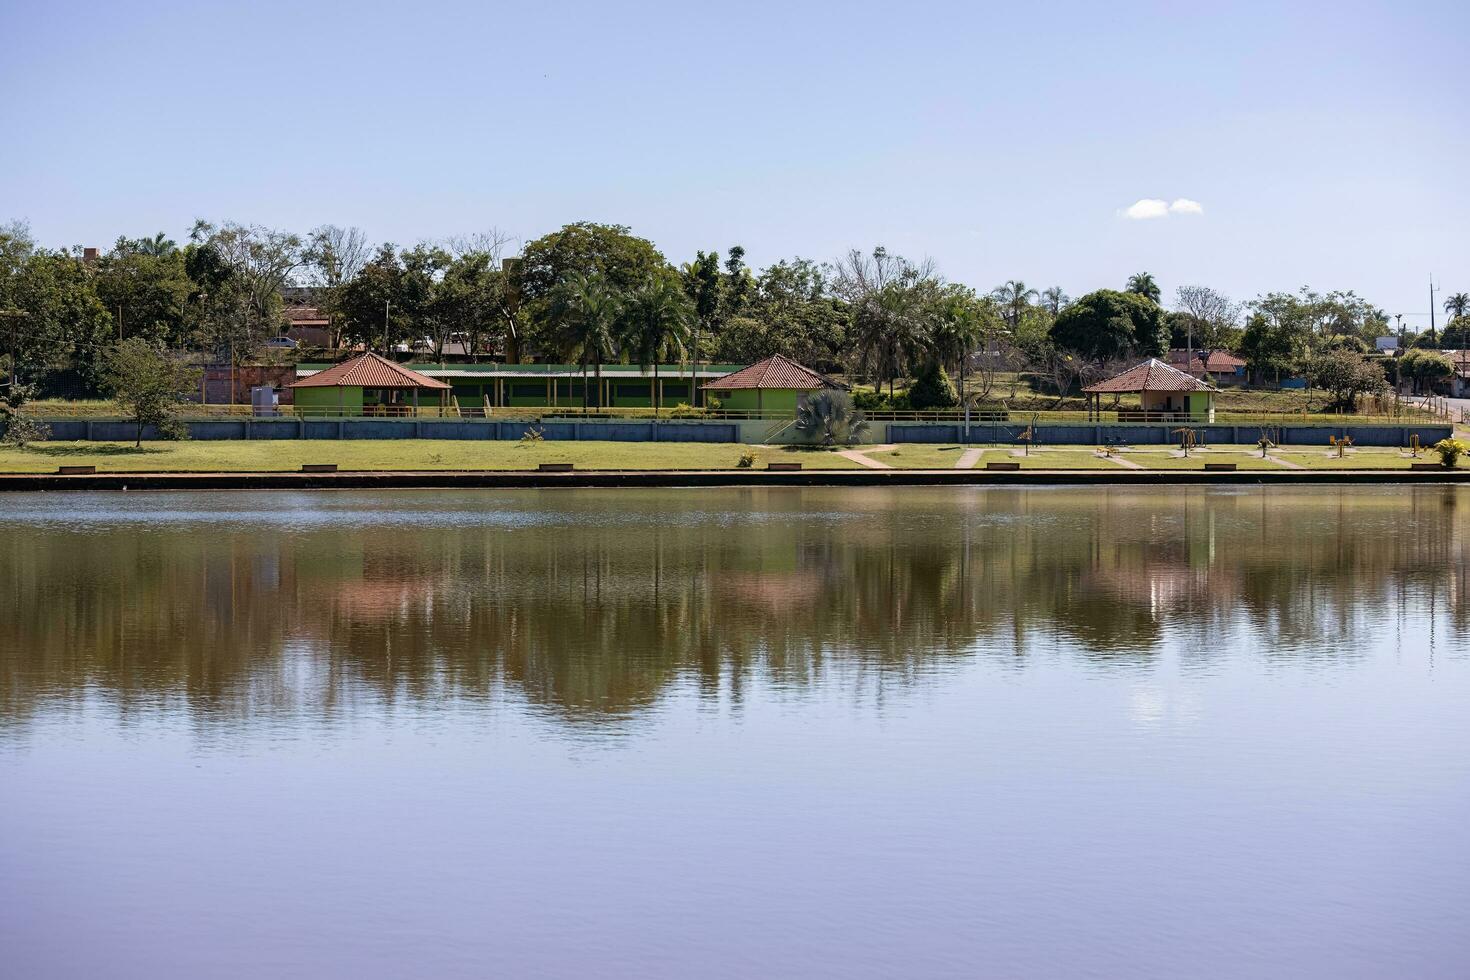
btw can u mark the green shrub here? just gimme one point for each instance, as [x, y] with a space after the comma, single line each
[879, 401]
[1450, 451]
[933, 389]
[22, 430]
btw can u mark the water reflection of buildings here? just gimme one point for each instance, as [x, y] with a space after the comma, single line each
[599, 617]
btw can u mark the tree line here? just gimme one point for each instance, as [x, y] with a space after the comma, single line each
[593, 294]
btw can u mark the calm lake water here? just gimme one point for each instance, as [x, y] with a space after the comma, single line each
[721, 733]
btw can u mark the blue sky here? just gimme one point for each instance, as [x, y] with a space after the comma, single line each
[1325, 144]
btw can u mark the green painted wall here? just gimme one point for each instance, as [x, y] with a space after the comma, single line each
[533, 393]
[776, 401]
[1200, 403]
[327, 401]
[527, 393]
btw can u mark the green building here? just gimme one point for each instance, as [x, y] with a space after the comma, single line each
[775, 386]
[476, 388]
[367, 385]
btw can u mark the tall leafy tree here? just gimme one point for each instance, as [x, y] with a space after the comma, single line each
[961, 321]
[1106, 324]
[658, 323]
[1204, 319]
[419, 289]
[467, 300]
[1273, 342]
[585, 312]
[261, 261]
[52, 317]
[149, 384]
[145, 285]
[368, 302]
[739, 284]
[892, 304]
[702, 284]
[792, 312]
[610, 254]
[334, 257]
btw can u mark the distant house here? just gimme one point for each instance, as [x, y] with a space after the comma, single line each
[776, 385]
[308, 326]
[1221, 367]
[1459, 382]
[306, 322]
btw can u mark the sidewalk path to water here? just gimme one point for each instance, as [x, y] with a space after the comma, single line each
[968, 459]
[856, 455]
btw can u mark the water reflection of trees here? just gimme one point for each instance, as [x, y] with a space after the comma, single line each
[603, 602]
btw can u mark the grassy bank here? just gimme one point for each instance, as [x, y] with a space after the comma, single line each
[400, 454]
[1149, 458]
[426, 454]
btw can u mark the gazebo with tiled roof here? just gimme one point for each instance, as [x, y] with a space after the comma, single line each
[367, 384]
[776, 384]
[1165, 394]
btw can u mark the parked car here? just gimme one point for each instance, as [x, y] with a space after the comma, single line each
[282, 343]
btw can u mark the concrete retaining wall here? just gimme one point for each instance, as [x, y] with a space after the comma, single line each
[119, 430]
[680, 430]
[1158, 435]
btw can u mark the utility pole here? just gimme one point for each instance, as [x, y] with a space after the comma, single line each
[386, 352]
[1431, 307]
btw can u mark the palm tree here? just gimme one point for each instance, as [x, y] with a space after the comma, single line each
[1143, 284]
[159, 245]
[658, 321]
[1054, 299]
[890, 330]
[1013, 297]
[586, 313]
[1457, 304]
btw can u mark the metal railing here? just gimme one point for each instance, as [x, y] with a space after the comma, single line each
[101, 410]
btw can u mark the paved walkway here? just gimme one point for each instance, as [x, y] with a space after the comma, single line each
[1285, 462]
[856, 455]
[968, 459]
[1126, 463]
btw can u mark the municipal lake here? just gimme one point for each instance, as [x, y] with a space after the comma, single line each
[888, 732]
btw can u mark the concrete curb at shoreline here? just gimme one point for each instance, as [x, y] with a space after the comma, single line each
[513, 479]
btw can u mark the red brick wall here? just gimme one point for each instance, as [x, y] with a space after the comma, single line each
[216, 383]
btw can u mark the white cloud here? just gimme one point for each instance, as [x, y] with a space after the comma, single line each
[1148, 207]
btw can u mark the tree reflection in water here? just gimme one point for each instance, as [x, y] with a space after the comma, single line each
[594, 604]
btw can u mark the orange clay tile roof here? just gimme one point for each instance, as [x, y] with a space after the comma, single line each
[369, 371]
[775, 371]
[1219, 362]
[299, 316]
[1151, 375]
